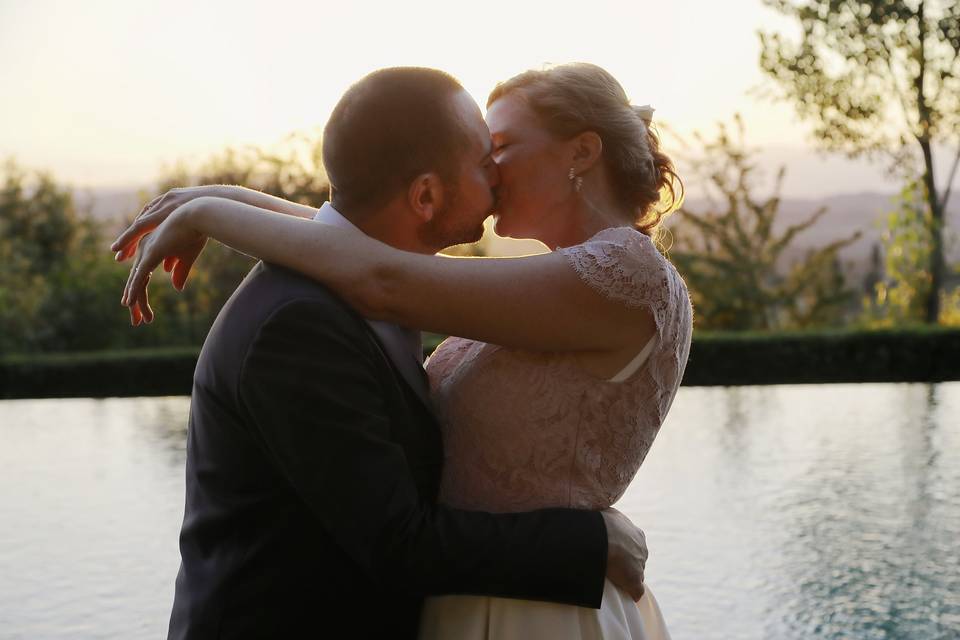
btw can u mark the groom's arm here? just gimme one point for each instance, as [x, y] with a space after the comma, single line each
[309, 384]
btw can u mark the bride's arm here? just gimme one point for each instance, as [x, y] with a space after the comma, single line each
[267, 201]
[160, 208]
[532, 302]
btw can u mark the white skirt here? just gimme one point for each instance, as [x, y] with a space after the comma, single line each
[486, 618]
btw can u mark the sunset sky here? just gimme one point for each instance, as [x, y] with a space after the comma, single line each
[106, 93]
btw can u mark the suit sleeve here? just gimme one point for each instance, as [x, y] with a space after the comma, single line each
[309, 384]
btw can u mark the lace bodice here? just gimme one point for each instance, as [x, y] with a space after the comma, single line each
[526, 430]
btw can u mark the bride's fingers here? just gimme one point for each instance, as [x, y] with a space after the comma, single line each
[133, 294]
[181, 271]
[127, 252]
[169, 263]
[134, 299]
[135, 317]
[141, 280]
[144, 302]
[152, 214]
[126, 242]
[125, 299]
[137, 268]
[152, 203]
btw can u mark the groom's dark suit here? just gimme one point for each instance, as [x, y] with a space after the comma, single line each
[312, 474]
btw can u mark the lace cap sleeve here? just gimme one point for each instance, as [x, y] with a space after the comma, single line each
[624, 265]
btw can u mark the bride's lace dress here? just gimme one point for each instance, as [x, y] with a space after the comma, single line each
[526, 430]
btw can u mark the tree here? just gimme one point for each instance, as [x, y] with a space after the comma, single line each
[21, 295]
[58, 284]
[39, 218]
[734, 259]
[907, 242]
[293, 170]
[900, 295]
[878, 78]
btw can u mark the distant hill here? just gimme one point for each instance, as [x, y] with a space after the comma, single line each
[846, 214]
[113, 205]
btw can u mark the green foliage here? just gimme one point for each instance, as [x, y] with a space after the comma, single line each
[292, 171]
[877, 78]
[51, 267]
[22, 293]
[60, 287]
[732, 258]
[855, 71]
[899, 298]
[906, 241]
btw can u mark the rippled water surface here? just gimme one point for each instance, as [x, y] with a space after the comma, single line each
[771, 512]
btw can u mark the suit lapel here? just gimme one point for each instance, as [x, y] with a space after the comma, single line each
[403, 362]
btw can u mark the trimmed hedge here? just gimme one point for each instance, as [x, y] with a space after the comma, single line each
[99, 374]
[901, 355]
[904, 355]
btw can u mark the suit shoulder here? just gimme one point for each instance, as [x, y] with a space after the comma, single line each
[276, 300]
[268, 288]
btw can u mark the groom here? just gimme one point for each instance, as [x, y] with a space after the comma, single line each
[313, 458]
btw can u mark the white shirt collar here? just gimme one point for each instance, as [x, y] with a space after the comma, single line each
[328, 215]
[393, 336]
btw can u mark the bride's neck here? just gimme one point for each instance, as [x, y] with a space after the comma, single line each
[586, 217]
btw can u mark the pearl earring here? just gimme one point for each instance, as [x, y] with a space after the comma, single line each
[577, 180]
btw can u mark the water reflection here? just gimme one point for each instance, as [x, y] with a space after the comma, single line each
[806, 512]
[91, 499]
[166, 425]
[861, 557]
[919, 459]
[772, 512]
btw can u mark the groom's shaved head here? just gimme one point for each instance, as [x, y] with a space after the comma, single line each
[388, 128]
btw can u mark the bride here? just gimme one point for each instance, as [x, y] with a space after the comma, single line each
[565, 364]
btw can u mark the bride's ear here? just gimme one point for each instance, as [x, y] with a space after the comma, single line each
[587, 149]
[425, 195]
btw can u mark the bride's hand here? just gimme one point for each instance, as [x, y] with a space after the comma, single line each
[176, 244]
[158, 210]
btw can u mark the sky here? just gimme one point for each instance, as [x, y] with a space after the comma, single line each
[107, 93]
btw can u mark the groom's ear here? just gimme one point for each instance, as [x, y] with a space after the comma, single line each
[425, 195]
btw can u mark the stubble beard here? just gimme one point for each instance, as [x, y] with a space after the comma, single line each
[446, 229]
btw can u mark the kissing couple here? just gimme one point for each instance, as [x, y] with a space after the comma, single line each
[336, 487]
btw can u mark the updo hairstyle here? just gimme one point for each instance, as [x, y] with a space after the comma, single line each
[572, 98]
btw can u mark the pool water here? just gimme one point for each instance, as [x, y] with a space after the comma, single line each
[791, 511]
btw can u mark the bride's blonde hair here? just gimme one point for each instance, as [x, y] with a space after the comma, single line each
[572, 98]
